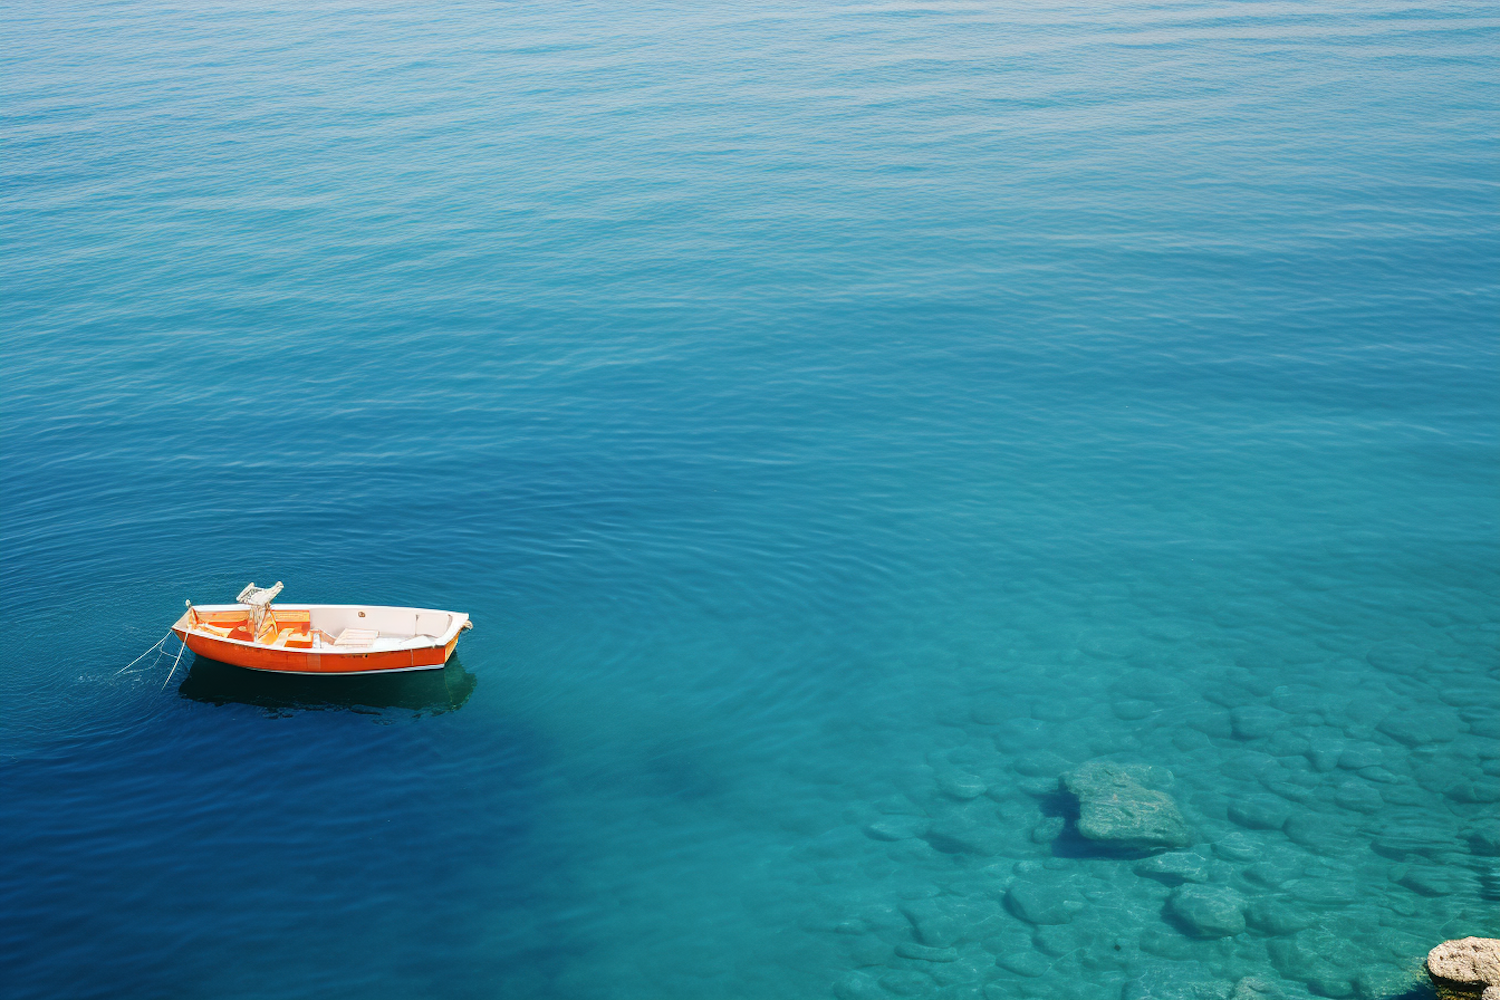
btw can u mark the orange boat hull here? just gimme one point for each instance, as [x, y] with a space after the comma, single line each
[307, 661]
[195, 628]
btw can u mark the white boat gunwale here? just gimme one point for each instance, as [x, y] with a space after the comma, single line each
[457, 622]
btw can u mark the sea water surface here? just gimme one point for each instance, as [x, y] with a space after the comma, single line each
[841, 419]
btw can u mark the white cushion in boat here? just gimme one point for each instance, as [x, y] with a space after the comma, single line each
[356, 637]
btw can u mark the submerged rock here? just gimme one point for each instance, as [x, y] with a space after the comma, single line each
[1471, 964]
[926, 952]
[1132, 709]
[1325, 833]
[867, 950]
[1324, 892]
[858, 986]
[1048, 830]
[1398, 657]
[960, 785]
[1175, 869]
[1236, 847]
[1260, 811]
[1384, 979]
[932, 923]
[1115, 809]
[1044, 897]
[1422, 726]
[1060, 939]
[1268, 874]
[961, 833]
[1164, 943]
[1427, 880]
[1405, 841]
[1357, 758]
[1323, 959]
[1179, 980]
[897, 827]
[1473, 792]
[1208, 911]
[1254, 988]
[1023, 963]
[1042, 763]
[1484, 838]
[1040, 904]
[1253, 722]
[907, 983]
[1275, 916]
[1359, 797]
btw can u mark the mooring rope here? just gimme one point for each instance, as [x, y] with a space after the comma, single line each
[156, 645]
[174, 664]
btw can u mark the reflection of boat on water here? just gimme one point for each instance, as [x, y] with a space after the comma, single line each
[434, 691]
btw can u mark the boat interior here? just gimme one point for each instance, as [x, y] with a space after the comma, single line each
[336, 629]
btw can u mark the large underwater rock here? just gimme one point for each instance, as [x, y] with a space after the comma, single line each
[1469, 966]
[1116, 810]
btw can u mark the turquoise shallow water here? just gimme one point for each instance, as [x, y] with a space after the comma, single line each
[840, 419]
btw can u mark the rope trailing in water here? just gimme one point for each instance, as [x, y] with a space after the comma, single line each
[174, 665]
[159, 646]
[156, 645]
[193, 614]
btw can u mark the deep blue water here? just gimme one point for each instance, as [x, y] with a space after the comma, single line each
[838, 418]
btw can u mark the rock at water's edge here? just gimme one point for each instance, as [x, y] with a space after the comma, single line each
[1471, 963]
[1115, 809]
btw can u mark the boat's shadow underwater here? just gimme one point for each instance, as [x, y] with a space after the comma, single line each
[429, 692]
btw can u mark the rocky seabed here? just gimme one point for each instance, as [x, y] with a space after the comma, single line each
[1235, 828]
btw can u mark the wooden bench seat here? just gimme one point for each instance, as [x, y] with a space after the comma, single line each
[356, 637]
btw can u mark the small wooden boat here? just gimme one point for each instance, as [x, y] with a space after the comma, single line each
[319, 638]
